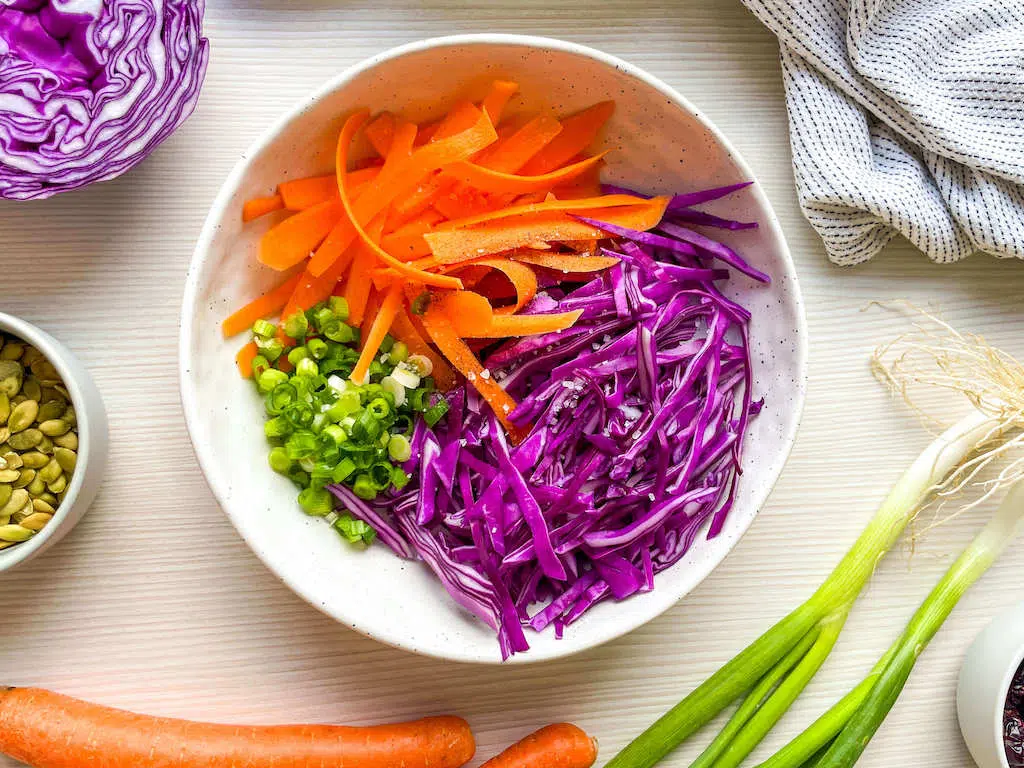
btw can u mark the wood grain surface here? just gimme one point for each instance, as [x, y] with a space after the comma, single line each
[154, 603]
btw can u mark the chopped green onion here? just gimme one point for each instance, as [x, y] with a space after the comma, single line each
[354, 531]
[271, 349]
[299, 414]
[421, 364]
[406, 376]
[379, 407]
[259, 365]
[399, 478]
[317, 348]
[337, 331]
[339, 306]
[365, 488]
[296, 325]
[279, 461]
[307, 367]
[301, 445]
[277, 427]
[316, 501]
[323, 316]
[387, 343]
[270, 379]
[399, 448]
[299, 477]
[380, 475]
[399, 352]
[336, 433]
[420, 303]
[435, 413]
[297, 354]
[263, 329]
[345, 468]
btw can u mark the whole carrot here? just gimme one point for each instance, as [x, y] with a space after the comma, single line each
[48, 730]
[561, 745]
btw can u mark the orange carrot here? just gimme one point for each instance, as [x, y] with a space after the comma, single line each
[489, 180]
[461, 117]
[472, 317]
[265, 306]
[358, 285]
[380, 131]
[406, 247]
[244, 359]
[351, 127]
[48, 730]
[300, 194]
[405, 331]
[496, 99]
[259, 206]
[381, 325]
[289, 242]
[553, 204]
[440, 329]
[561, 745]
[514, 152]
[523, 279]
[565, 262]
[452, 247]
[578, 132]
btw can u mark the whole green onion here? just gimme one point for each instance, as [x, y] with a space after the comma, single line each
[775, 668]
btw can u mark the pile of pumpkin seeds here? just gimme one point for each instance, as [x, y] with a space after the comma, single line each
[38, 441]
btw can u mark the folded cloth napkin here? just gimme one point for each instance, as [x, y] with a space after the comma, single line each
[906, 116]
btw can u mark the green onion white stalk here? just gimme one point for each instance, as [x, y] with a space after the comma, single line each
[776, 667]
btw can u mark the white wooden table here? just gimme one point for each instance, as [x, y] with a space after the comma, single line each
[154, 603]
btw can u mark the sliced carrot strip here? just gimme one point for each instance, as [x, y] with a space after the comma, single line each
[565, 262]
[578, 132]
[496, 99]
[343, 233]
[289, 242]
[244, 359]
[267, 305]
[300, 194]
[352, 125]
[381, 325]
[489, 180]
[460, 118]
[463, 201]
[421, 198]
[551, 204]
[260, 206]
[359, 283]
[405, 331]
[471, 316]
[513, 153]
[523, 279]
[380, 131]
[406, 247]
[455, 246]
[461, 357]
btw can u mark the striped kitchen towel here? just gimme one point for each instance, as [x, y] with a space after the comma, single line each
[906, 116]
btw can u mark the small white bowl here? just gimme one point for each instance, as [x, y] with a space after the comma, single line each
[93, 439]
[661, 143]
[988, 669]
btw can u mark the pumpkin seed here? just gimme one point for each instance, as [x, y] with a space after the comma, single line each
[9, 475]
[25, 440]
[25, 477]
[11, 376]
[58, 486]
[51, 409]
[54, 427]
[42, 506]
[35, 459]
[12, 350]
[51, 471]
[18, 499]
[36, 521]
[66, 458]
[12, 460]
[69, 441]
[5, 408]
[23, 416]
[37, 487]
[45, 446]
[32, 389]
[5, 495]
[12, 532]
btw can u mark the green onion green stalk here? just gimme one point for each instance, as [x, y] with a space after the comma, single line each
[772, 671]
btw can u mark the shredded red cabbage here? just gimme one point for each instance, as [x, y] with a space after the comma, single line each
[638, 415]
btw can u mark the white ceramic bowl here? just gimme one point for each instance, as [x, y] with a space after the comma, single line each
[92, 441]
[988, 669]
[661, 143]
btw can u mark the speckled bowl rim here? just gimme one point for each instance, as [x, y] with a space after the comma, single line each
[57, 355]
[541, 44]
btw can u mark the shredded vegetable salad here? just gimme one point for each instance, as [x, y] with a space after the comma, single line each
[593, 381]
